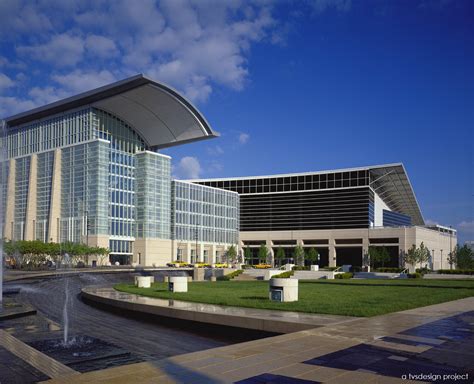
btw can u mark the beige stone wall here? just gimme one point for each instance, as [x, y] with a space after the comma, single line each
[437, 242]
[211, 249]
[55, 207]
[147, 252]
[10, 204]
[30, 218]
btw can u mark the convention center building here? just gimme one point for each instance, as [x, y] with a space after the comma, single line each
[340, 213]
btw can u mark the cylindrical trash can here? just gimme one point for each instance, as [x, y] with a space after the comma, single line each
[283, 289]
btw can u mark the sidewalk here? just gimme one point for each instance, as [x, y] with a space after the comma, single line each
[430, 343]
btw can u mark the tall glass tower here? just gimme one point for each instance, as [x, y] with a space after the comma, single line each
[87, 169]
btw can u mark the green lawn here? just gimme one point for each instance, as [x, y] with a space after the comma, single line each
[336, 297]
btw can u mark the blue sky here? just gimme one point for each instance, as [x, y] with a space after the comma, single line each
[292, 86]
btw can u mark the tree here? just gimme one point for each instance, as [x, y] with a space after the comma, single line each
[262, 254]
[378, 255]
[312, 255]
[299, 255]
[231, 254]
[411, 257]
[423, 254]
[451, 259]
[464, 257]
[373, 255]
[248, 255]
[417, 255]
[280, 256]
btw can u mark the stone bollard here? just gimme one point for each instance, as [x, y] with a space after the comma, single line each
[190, 278]
[144, 281]
[178, 284]
[166, 279]
[213, 278]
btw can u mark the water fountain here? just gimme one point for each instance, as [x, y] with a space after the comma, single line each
[66, 263]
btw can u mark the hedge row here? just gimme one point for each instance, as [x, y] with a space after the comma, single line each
[284, 275]
[456, 271]
[345, 275]
[230, 276]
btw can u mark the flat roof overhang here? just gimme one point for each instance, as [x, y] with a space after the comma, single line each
[158, 113]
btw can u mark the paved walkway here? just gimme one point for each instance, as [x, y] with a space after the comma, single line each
[429, 344]
[250, 318]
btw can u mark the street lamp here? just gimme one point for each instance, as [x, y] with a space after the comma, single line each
[450, 247]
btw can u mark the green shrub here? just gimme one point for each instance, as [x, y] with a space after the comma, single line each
[345, 275]
[356, 268]
[230, 276]
[389, 270]
[284, 275]
[456, 271]
[246, 266]
[300, 268]
[423, 270]
[415, 275]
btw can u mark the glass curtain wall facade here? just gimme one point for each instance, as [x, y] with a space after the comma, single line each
[97, 156]
[204, 214]
[153, 178]
[87, 176]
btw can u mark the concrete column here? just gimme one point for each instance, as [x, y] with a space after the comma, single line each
[332, 253]
[201, 253]
[31, 203]
[55, 206]
[187, 253]
[10, 203]
[212, 254]
[174, 250]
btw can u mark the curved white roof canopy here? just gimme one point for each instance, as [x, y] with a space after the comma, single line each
[158, 113]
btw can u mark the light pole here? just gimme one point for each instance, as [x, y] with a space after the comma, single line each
[450, 248]
[196, 235]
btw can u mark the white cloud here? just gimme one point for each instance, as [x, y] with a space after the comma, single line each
[101, 46]
[215, 167]
[244, 138]
[61, 50]
[9, 106]
[18, 17]
[320, 6]
[46, 95]
[466, 227]
[79, 81]
[188, 168]
[192, 45]
[5, 82]
[215, 151]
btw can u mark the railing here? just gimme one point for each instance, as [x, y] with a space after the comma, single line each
[404, 271]
[337, 269]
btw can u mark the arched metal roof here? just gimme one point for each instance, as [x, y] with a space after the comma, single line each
[389, 181]
[159, 114]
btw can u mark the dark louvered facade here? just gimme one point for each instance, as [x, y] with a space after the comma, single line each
[313, 201]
